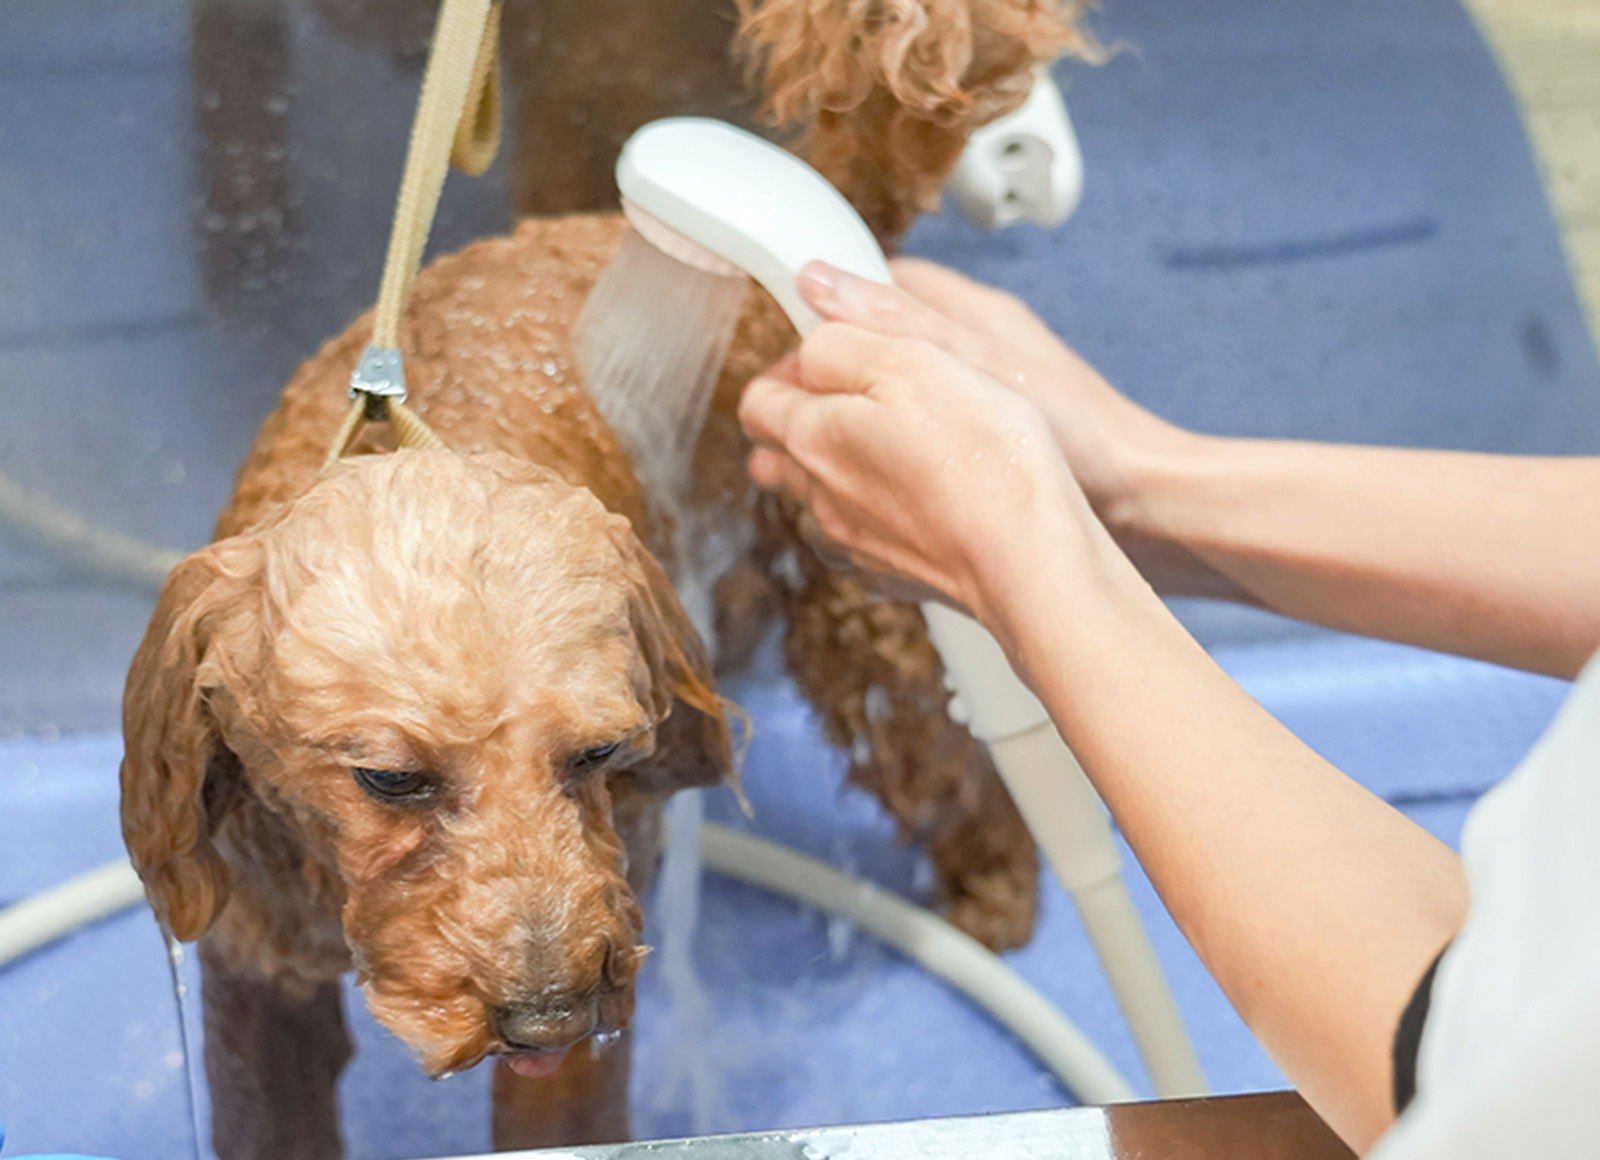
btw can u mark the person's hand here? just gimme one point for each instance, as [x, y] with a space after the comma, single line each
[914, 464]
[1104, 436]
[1114, 447]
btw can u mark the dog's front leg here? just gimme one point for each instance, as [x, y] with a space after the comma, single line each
[272, 1062]
[584, 1101]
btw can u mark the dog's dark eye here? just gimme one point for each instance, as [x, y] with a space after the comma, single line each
[395, 785]
[588, 760]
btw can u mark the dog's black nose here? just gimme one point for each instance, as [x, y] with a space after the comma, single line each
[550, 1023]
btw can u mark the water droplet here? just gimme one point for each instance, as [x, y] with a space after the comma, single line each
[175, 961]
[841, 936]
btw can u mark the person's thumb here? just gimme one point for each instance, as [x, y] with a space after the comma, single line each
[769, 404]
[841, 359]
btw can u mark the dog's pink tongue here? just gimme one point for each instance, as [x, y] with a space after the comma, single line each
[533, 1066]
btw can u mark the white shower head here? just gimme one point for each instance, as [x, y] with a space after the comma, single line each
[723, 200]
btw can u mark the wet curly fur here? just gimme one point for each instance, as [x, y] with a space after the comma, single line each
[889, 90]
[474, 627]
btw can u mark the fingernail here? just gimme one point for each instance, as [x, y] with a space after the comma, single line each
[819, 284]
[763, 467]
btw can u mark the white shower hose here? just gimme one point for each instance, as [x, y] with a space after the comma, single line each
[921, 935]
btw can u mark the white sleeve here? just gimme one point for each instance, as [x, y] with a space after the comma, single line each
[1509, 1064]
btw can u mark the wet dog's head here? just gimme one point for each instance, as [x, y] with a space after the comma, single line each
[437, 673]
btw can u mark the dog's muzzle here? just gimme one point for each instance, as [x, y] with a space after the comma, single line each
[548, 1024]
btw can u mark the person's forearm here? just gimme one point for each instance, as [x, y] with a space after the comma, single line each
[1491, 556]
[1315, 905]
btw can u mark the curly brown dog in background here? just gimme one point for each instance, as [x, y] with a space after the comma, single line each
[416, 714]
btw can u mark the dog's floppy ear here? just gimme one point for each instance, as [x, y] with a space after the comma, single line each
[693, 741]
[177, 775]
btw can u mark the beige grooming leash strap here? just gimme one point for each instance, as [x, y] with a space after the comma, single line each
[457, 121]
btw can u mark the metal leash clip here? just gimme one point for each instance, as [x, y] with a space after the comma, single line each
[380, 377]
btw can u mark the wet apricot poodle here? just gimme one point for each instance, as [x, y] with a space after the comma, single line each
[415, 715]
